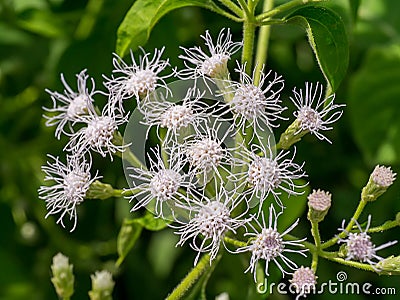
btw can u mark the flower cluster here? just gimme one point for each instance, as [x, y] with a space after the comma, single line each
[215, 173]
[91, 129]
[216, 163]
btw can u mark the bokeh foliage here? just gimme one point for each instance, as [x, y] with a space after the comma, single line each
[39, 39]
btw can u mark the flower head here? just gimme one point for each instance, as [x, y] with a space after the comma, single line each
[319, 203]
[304, 281]
[360, 247]
[208, 221]
[256, 105]
[138, 79]
[102, 285]
[73, 104]
[314, 112]
[179, 119]
[268, 244]
[212, 64]
[98, 134]
[269, 174]
[207, 152]
[160, 186]
[379, 181]
[72, 181]
[383, 176]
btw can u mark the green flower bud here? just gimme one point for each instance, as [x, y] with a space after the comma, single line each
[292, 135]
[63, 277]
[319, 203]
[379, 181]
[102, 286]
[390, 265]
[100, 190]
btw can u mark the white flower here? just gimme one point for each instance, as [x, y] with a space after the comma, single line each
[212, 64]
[73, 104]
[313, 110]
[304, 281]
[253, 105]
[179, 119]
[138, 79]
[269, 245]
[208, 153]
[161, 186]
[269, 174]
[209, 220]
[359, 246]
[98, 134]
[72, 181]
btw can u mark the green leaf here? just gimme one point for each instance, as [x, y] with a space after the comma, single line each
[150, 222]
[131, 230]
[328, 39]
[135, 29]
[127, 237]
[373, 105]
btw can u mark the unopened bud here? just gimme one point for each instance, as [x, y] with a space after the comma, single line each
[102, 286]
[390, 265]
[379, 181]
[100, 190]
[304, 281]
[292, 135]
[63, 277]
[319, 203]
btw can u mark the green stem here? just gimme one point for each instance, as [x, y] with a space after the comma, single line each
[385, 226]
[282, 8]
[356, 215]
[249, 28]
[315, 234]
[332, 257]
[129, 192]
[248, 43]
[208, 275]
[262, 44]
[306, 244]
[233, 7]
[215, 8]
[234, 242]
[244, 7]
[190, 278]
[131, 158]
[272, 22]
[317, 240]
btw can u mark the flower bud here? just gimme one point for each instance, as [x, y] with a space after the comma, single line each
[100, 190]
[390, 265]
[292, 135]
[379, 181]
[102, 286]
[63, 278]
[319, 203]
[304, 281]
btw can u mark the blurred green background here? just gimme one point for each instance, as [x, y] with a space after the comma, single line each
[39, 39]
